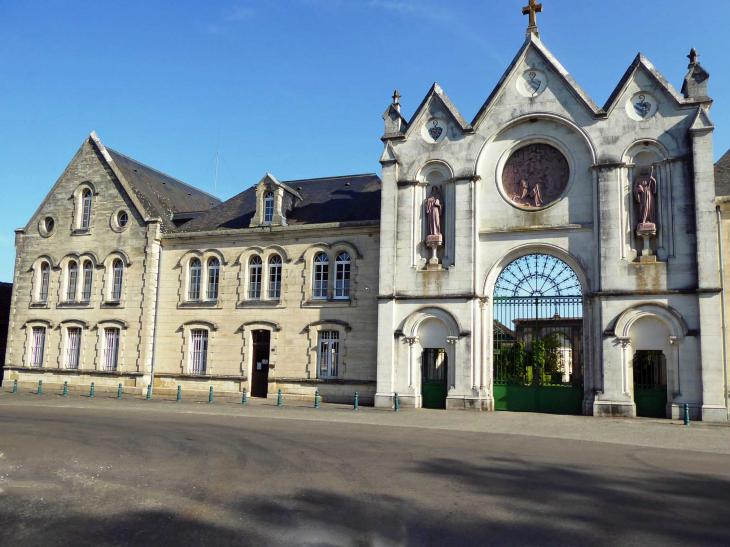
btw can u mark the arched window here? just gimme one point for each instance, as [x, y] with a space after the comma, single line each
[87, 279]
[73, 275]
[214, 269]
[194, 287]
[268, 206]
[86, 209]
[254, 278]
[321, 276]
[342, 276]
[275, 277]
[117, 277]
[45, 282]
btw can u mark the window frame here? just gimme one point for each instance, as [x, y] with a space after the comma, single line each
[72, 281]
[34, 349]
[275, 270]
[116, 283]
[255, 278]
[268, 207]
[195, 276]
[213, 270]
[343, 276]
[86, 199]
[328, 346]
[67, 346]
[204, 338]
[44, 281]
[87, 282]
[116, 334]
[320, 276]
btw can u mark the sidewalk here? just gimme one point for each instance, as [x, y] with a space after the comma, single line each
[650, 433]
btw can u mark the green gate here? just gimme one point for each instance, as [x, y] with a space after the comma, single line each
[433, 381]
[538, 337]
[650, 384]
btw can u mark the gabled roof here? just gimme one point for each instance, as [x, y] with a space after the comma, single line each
[722, 175]
[161, 195]
[641, 62]
[273, 180]
[534, 42]
[436, 91]
[354, 198]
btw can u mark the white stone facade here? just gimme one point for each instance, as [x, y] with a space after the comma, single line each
[665, 298]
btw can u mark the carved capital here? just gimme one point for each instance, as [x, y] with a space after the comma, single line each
[452, 340]
[412, 340]
[625, 342]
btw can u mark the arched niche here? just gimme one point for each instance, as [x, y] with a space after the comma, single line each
[438, 174]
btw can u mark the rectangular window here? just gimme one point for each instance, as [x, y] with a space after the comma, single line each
[38, 343]
[321, 280]
[342, 280]
[329, 354]
[45, 282]
[199, 353]
[275, 281]
[73, 347]
[111, 349]
[269, 207]
[72, 279]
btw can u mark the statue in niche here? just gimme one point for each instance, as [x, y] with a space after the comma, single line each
[535, 175]
[644, 192]
[433, 215]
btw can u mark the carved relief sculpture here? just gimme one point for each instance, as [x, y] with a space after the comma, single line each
[535, 176]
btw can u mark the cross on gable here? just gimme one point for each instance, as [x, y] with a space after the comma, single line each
[533, 9]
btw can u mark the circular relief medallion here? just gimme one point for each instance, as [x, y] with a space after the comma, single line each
[641, 106]
[532, 83]
[535, 176]
[434, 130]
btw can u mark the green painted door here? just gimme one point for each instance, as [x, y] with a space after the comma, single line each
[650, 384]
[434, 368]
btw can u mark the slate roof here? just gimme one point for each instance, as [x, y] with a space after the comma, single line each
[722, 175]
[354, 198]
[160, 193]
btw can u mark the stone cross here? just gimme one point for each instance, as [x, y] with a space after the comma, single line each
[533, 9]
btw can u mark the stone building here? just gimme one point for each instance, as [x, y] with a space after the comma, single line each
[6, 290]
[550, 256]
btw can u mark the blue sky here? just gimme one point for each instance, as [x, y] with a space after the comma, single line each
[294, 87]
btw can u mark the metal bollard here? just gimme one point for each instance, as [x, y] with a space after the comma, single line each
[91, 393]
[65, 389]
[15, 386]
[278, 402]
[396, 403]
[149, 391]
[686, 414]
[119, 392]
[40, 387]
[210, 395]
[316, 399]
[243, 399]
[179, 393]
[356, 400]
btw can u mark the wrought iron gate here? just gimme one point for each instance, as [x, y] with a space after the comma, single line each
[538, 337]
[650, 384]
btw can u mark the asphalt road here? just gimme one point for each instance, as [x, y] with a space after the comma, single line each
[78, 477]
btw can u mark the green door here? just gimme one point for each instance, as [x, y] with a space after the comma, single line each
[650, 384]
[434, 367]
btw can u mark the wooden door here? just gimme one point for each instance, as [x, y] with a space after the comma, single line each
[260, 365]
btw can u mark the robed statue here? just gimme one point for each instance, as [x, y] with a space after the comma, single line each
[645, 194]
[433, 214]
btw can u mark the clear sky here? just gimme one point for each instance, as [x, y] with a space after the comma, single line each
[294, 87]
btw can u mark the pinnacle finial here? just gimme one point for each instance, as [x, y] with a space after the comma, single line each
[532, 10]
[693, 56]
[396, 97]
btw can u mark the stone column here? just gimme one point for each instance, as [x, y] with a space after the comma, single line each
[708, 271]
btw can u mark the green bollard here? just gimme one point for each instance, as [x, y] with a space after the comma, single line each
[278, 402]
[316, 399]
[65, 389]
[356, 400]
[210, 395]
[179, 393]
[15, 386]
[40, 387]
[119, 391]
[243, 399]
[91, 393]
[149, 391]
[396, 403]
[686, 414]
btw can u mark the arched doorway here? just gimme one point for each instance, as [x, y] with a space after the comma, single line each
[538, 337]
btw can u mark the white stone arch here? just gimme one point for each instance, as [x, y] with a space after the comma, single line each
[412, 330]
[627, 333]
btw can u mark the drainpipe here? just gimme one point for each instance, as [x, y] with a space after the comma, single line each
[722, 305]
[157, 314]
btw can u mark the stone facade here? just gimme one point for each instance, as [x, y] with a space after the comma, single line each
[540, 171]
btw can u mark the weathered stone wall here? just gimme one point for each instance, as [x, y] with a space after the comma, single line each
[101, 243]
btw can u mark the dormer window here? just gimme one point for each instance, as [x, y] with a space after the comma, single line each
[268, 207]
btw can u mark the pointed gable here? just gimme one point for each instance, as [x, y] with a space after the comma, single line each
[438, 94]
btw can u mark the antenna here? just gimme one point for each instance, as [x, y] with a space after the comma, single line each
[215, 182]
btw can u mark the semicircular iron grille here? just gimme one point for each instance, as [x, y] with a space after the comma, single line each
[537, 275]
